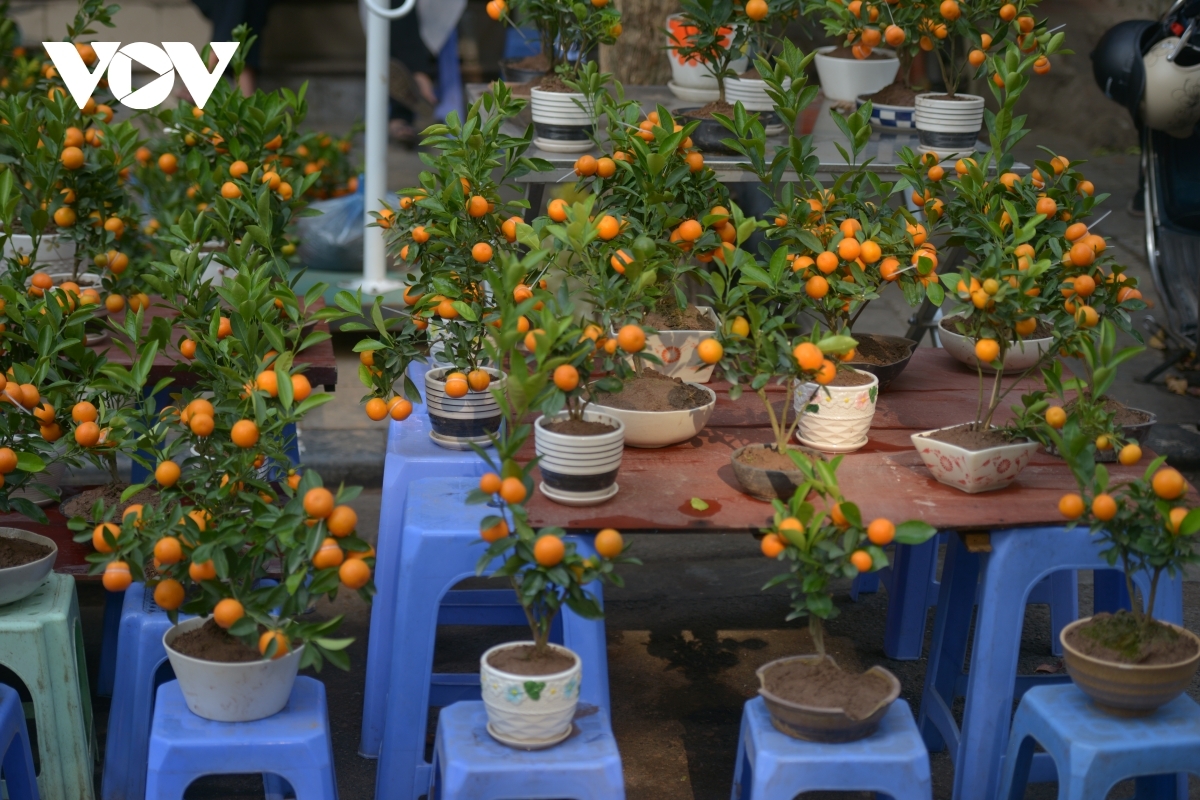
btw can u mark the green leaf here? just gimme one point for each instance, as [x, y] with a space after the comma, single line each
[914, 532]
[30, 462]
[699, 504]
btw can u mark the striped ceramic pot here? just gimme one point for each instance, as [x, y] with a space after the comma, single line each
[579, 470]
[459, 422]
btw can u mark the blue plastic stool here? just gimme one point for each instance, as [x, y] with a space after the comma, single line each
[410, 455]
[293, 745]
[16, 757]
[1093, 751]
[521, 42]
[439, 548]
[774, 766]
[468, 764]
[1019, 559]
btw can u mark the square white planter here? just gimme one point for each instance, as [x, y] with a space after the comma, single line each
[677, 351]
[973, 471]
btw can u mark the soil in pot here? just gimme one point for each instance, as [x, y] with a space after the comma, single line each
[653, 391]
[1124, 414]
[578, 427]
[894, 94]
[848, 52]
[881, 353]
[1116, 638]
[554, 83]
[850, 377]
[211, 642]
[524, 660]
[823, 684]
[966, 437]
[18, 552]
[675, 318]
[81, 504]
[707, 110]
[767, 458]
[536, 63]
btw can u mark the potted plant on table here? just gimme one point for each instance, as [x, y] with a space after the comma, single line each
[811, 697]
[1129, 663]
[766, 25]
[856, 67]
[902, 26]
[693, 79]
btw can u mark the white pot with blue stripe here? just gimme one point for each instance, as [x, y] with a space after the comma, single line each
[889, 117]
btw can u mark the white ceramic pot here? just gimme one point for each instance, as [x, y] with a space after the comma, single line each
[17, 583]
[752, 92]
[530, 710]
[890, 118]
[1020, 355]
[836, 419]
[948, 126]
[691, 79]
[562, 121]
[973, 471]
[55, 251]
[677, 351]
[579, 470]
[232, 692]
[459, 422]
[662, 428]
[844, 79]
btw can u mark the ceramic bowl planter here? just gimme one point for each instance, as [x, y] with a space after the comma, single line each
[662, 428]
[1135, 432]
[1019, 357]
[17, 583]
[579, 470]
[562, 121]
[677, 351]
[752, 94]
[836, 419]
[844, 79]
[973, 471]
[886, 373]
[691, 79]
[459, 422]
[529, 711]
[227, 692]
[512, 74]
[55, 252]
[817, 724]
[764, 483]
[888, 117]
[1128, 690]
[948, 126]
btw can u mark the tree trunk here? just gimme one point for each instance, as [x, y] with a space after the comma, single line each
[640, 57]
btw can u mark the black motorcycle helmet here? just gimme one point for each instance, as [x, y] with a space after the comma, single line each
[1117, 61]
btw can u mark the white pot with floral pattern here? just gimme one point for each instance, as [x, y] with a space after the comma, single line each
[530, 711]
[973, 471]
[836, 419]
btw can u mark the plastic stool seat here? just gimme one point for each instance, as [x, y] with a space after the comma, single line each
[1093, 751]
[773, 766]
[41, 640]
[470, 765]
[294, 744]
[16, 758]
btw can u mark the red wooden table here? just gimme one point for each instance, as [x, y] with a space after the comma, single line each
[886, 478]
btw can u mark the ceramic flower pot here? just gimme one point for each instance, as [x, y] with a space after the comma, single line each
[529, 711]
[459, 422]
[232, 692]
[510, 73]
[1128, 690]
[55, 251]
[836, 419]
[579, 470]
[760, 482]
[816, 724]
[17, 583]
[562, 121]
[651, 429]
[844, 79]
[886, 373]
[691, 79]
[973, 471]
[948, 126]
[1019, 357]
[751, 92]
[888, 117]
[1136, 432]
[677, 351]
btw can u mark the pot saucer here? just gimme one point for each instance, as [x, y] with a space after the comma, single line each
[452, 443]
[526, 744]
[563, 145]
[580, 498]
[693, 95]
[830, 448]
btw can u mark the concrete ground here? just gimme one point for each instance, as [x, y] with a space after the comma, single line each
[690, 627]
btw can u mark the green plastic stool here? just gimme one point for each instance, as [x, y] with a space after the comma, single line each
[41, 640]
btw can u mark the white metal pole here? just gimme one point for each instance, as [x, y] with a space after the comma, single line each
[374, 279]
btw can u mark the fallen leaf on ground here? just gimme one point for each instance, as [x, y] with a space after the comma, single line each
[1177, 385]
[1049, 669]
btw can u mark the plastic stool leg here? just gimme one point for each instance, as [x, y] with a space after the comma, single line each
[16, 757]
[908, 609]
[742, 768]
[1064, 605]
[956, 598]
[1109, 594]
[865, 583]
[113, 602]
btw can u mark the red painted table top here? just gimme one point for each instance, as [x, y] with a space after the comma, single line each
[886, 478]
